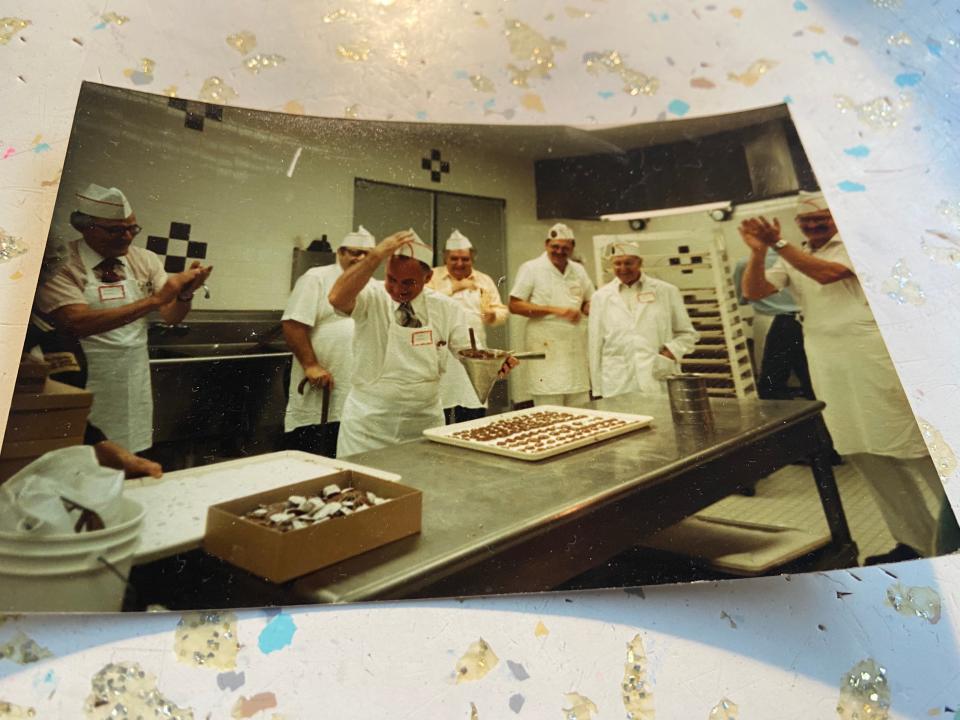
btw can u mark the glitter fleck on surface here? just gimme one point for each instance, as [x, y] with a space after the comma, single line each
[516, 702]
[751, 76]
[901, 287]
[950, 210]
[474, 714]
[634, 81]
[531, 48]
[339, 14]
[702, 83]
[277, 634]
[576, 12]
[736, 12]
[881, 112]
[9, 27]
[359, 52]
[142, 75]
[636, 693]
[124, 690]
[215, 90]
[231, 680]
[851, 40]
[518, 670]
[246, 707]
[481, 83]
[207, 639]
[887, 4]
[726, 709]
[114, 18]
[921, 602]
[532, 101]
[294, 107]
[243, 42]
[10, 246]
[476, 662]
[942, 255]
[352, 111]
[23, 650]
[541, 630]
[941, 453]
[851, 186]
[817, 29]
[857, 151]
[9, 711]
[900, 38]
[581, 707]
[170, 91]
[864, 693]
[260, 61]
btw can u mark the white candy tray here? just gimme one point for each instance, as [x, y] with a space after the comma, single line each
[445, 434]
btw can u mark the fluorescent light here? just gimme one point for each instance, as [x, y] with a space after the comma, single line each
[647, 214]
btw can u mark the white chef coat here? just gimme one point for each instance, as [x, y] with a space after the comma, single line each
[565, 369]
[395, 392]
[851, 371]
[331, 336]
[118, 365]
[628, 326]
[455, 387]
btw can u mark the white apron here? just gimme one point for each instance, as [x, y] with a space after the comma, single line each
[404, 401]
[866, 411]
[565, 370]
[333, 345]
[455, 386]
[118, 367]
[631, 360]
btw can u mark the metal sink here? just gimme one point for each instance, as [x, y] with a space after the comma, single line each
[198, 352]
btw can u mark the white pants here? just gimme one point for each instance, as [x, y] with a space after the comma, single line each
[897, 485]
[567, 400]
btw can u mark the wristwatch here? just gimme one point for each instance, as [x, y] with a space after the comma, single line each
[780, 244]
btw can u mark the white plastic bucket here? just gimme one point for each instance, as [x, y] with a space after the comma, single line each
[67, 572]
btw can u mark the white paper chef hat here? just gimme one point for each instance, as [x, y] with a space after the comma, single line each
[417, 249]
[623, 248]
[362, 238]
[101, 202]
[560, 232]
[808, 202]
[458, 241]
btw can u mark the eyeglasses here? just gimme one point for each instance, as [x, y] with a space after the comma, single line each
[354, 252]
[118, 230]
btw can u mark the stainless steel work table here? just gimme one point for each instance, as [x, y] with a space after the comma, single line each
[494, 524]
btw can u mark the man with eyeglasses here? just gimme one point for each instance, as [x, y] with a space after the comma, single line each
[867, 413]
[101, 294]
[322, 343]
[404, 336]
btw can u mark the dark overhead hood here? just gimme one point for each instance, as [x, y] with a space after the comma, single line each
[753, 163]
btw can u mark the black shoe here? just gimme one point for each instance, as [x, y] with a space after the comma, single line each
[900, 553]
[749, 491]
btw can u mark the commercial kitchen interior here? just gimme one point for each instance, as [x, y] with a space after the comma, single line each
[250, 191]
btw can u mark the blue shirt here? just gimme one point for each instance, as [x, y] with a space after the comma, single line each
[777, 304]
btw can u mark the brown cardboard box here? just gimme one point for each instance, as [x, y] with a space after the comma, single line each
[31, 376]
[58, 411]
[281, 556]
[14, 456]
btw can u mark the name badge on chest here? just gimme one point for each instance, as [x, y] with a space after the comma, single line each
[646, 297]
[421, 337]
[111, 292]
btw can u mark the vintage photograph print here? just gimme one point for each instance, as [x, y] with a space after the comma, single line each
[276, 359]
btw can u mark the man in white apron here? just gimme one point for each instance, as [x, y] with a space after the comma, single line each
[101, 294]
[477, 293]
[866, 412]
[322, 343]
[638, 329]
[554, 293]
[403, 337]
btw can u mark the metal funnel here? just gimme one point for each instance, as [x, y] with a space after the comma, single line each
[483, 366]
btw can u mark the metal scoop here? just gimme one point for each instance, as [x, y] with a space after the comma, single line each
[483, 367]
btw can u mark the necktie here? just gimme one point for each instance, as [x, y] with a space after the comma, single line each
[406, 317]
[110, 270]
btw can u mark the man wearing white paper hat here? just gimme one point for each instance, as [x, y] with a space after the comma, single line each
[101, 294]
[478, 295]
[322, 342]
[867, 413]
[554, 293]
[405, 335]
[638, 328]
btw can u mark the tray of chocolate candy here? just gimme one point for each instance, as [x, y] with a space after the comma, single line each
[538, 432]
[299, 511]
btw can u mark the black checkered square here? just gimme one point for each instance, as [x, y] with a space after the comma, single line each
[177, 248]
[435, 165]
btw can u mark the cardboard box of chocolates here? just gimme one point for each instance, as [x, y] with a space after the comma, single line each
[297, 529]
